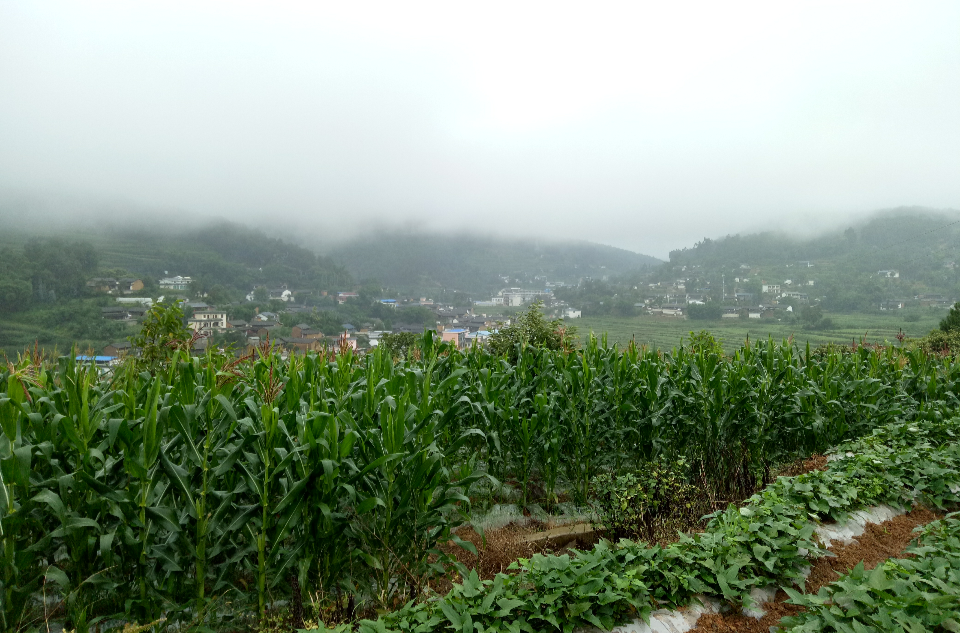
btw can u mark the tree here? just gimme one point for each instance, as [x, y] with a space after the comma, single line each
[952, 320]
[532, 328]
[704, 342]
[706, 312]
[15, 295]
[231, 339]
[399, 344]
[261, 294]
[812, 318]
[161, 334]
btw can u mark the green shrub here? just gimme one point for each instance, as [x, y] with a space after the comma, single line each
[703, 342]
[639, 505]
[705, 312]
[952, 320]
[530, 327]
[940, 342]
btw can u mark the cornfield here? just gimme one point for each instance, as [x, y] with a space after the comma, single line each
[218, 487]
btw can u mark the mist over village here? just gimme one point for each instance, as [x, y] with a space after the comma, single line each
[501, 318]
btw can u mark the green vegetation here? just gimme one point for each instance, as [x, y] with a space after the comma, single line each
[44, 298]
[161, 336]
[919, 593]
[637, 505]
[204, 490]
[240, 482]
[667, 332]
[916, 245]
[952, 320]
[61, 326]
[400, 345]
[425, 262]
[529, 327]
[225, 260]
[765, 542]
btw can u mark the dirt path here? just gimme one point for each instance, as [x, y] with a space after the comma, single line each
[878, 543]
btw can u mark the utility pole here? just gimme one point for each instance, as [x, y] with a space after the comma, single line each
[723, 288]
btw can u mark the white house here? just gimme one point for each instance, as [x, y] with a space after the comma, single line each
[889, 274]
[570, 313]
[518, 296]
[175, 283]
[771, 288]
[146, 302]
[208, 321]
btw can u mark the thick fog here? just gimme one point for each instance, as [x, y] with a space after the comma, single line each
[646, 126]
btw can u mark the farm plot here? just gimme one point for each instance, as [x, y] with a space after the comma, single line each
[919, 593]
[767, 542]
[216, 488]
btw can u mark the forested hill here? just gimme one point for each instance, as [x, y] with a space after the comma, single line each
[921, 248]
[227, 258]
[411, 261]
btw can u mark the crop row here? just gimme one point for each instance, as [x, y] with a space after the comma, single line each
[765, 542]
[217, 480]
[920, 593]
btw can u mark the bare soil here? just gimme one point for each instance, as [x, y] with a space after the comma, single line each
[498, 548]
[878, 543]
[801, 466]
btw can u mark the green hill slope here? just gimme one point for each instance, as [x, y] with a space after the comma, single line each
[422, 261]
[842, 268]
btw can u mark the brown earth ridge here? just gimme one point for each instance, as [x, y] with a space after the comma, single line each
[880, 542]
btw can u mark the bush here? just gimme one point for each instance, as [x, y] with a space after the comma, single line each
[952, 320]
[532, 328]
[703, 341]
[161, 335]
[705, 312]
[399, 345]
[940, 342]
[642, 504]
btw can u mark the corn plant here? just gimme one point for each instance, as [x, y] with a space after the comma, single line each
[212, 481]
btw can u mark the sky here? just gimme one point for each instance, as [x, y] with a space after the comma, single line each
[645, 125]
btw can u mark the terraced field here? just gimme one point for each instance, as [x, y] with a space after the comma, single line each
[667, 332]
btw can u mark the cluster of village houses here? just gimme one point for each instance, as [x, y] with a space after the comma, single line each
[673, 300]
[461, 326]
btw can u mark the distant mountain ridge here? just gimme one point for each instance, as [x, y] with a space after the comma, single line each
[470, 263]
[905, 256]
[884, 239]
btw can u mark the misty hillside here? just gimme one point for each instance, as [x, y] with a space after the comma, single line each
[225, 254]
[479, 263]
[893, 254]
[912, 239]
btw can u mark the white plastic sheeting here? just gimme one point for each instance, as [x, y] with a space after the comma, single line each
[683, 620]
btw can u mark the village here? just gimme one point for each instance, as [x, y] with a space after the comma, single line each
[292, 325]
[462, 326]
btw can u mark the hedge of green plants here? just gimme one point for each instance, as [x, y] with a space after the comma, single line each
[765, 542]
